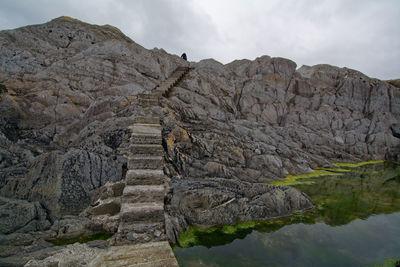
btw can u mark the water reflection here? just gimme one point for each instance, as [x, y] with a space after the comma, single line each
[359, 193]
[356, 223]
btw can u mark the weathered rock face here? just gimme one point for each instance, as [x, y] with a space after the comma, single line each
[218, 201]
[63, 182]
[259, 120]
[21, 216]
[68, 94]
[65, 109]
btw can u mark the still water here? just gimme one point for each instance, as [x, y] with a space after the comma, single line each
[356, 223]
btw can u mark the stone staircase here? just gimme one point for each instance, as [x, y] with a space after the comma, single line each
[142, 204]
[141, 238]
[175, 78]
[153, 99]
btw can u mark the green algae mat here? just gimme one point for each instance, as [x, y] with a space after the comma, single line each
[356, 223]
[81, 239]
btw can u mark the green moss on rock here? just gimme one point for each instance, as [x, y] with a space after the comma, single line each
[81, 239]
[359, 164]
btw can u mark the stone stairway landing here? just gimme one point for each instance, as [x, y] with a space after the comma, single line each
[145, 177]
[146, 149]
[146, 128]
[145, 162]
[143, 193]
[148, 120]
[150, 212]
[152, 254]
[146, 138]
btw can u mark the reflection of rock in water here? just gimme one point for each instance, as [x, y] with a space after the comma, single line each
[359, 243]
[362, 192]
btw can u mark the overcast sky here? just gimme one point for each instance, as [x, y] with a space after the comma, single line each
[359, 34]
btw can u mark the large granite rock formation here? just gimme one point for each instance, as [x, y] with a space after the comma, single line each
[64, 88]
[68, 94]
[260, 120]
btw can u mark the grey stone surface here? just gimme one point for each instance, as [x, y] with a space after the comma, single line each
[146, 149]
[396, 130]
[259, 120]
[154, 254]
[71, 227]
[144, 193]
[145, 162]
[21, 216]
[220, 201]
[64, 112]
[142, 212]
[97, 244]
[74, 255]
[109, 206]
[69, 93]
[144, 177]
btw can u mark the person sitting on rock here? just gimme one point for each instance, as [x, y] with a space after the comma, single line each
[184, 56]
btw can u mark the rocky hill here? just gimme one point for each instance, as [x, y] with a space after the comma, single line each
[68, 95]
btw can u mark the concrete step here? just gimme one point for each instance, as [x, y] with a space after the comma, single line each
[170, 82]
[141, 228]
[137, 138]
[142, 212]
[177, 74]
[162, 90]
[145, 177]
[136, 257]
[151, 120]
[147, 149]
[143, 193]
[155, 92]
[148, 96]
[148, 102]
[163, 87]
[157, 262]
[145, 162]
[146, 128]
[182, 68]
[129, 233]
[152, 254]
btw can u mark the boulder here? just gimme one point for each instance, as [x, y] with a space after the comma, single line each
[21, 216]
[218, 201]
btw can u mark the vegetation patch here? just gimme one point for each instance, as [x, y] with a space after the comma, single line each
[319, 172]
[215, 236]
[359, 164]
[294, 179]
[334, 169]
[218, 236]
[389, 263]
[81, 239]
[351, 192]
